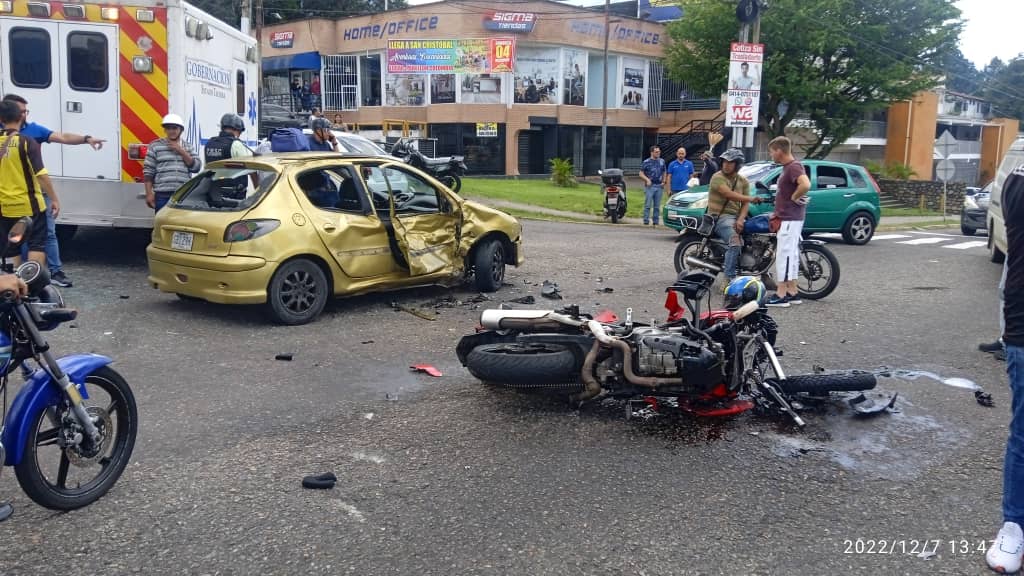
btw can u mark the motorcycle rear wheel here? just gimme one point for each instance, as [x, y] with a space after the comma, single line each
[452, 181]
[524, 366]
[825, 383]
[120, 429]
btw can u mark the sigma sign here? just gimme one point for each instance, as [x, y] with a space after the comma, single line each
[520, 22]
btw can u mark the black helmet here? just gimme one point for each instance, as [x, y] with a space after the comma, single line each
[320, 124]
[732, 155]
[233, 121]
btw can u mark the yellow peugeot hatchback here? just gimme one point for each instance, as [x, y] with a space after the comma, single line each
[292, 230]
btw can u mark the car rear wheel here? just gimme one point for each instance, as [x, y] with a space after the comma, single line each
[859, 229]
[967, 230]
[297, 293]
[994, 253]
[489, 266]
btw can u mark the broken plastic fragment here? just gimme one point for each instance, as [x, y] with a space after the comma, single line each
[284, 357]
[427, 369]
[324, 481]
[864, 406]
[550, 290]
[984, 398]
[525, 300]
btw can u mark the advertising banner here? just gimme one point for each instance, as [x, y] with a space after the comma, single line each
[634, 83]
[515, 22]
[465, 56]
[486, 129]
[282, 39]
[574, 82]
[744, 90]
[537, 70]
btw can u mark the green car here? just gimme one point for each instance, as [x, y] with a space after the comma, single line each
[844, 199]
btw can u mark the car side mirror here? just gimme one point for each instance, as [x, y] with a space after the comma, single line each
[761, 186]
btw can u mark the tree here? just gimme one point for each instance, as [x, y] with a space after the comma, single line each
[961, 74]
[835, 61]
[1004, 87]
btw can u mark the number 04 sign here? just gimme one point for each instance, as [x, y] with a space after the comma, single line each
[744, 90]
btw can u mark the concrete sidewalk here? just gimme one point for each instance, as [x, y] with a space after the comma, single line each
[887, 223]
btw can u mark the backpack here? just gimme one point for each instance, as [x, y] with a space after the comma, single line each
[288, 140]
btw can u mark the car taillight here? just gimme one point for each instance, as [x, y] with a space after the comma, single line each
[137, 151]
[878, 189]
[248, 229]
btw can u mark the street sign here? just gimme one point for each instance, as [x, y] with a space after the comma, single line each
[946, 144]
[945, 169]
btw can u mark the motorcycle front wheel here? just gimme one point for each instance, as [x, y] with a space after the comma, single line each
[452, 181]
[76, 476]
[685, 248]
[525, 366]
[819, 272]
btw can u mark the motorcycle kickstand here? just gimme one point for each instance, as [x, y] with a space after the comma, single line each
[782, 403]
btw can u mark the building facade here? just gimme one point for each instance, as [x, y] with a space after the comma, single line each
[548, 104]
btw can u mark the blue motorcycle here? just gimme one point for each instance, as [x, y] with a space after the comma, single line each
[70, 431]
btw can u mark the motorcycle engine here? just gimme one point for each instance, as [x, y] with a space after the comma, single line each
[758, 253]
[661, 353]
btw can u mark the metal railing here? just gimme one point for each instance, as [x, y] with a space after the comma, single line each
[872, 129]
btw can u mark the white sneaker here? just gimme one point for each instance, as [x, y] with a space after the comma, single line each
[1005, 554]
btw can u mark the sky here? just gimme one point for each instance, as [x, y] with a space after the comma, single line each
[993, 28]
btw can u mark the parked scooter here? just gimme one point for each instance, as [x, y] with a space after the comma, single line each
[613, 187]
[448, 169]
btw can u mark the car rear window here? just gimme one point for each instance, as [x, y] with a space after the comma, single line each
[858, 179]
[225, 189]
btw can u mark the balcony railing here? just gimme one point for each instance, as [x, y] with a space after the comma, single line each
[872, 129]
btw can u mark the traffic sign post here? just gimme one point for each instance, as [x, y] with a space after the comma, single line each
[945, 145]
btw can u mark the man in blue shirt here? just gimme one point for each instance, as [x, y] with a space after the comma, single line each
[652, 172]
[42, 135]
[322, 139]
[680, 171]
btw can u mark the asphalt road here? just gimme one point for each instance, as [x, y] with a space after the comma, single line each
[444, 476]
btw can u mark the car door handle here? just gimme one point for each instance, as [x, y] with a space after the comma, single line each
[329, 227]
[848, 195]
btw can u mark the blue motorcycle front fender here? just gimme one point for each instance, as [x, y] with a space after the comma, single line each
[38, 394]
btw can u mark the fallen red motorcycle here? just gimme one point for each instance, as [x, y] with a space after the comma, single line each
[714, 363]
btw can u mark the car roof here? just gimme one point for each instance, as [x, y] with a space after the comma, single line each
[808, 162]
[283, 159]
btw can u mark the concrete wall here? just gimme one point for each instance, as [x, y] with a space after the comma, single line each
[912, 193]
[911, 133]
[995, 142]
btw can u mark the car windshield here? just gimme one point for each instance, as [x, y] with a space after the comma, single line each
[757, 171]
[360, 146]
[225, 189]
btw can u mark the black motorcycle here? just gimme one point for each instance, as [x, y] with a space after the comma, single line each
[448, 169]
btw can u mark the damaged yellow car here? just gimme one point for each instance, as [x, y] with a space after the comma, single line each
[292, 230]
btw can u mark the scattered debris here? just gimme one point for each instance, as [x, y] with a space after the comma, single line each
[865, 406]
[324, 481]
[479, 298]
[550, 290]
[606, 289]
[984, 398]
[607, 317]
[529, 299]
[368, 415]
[427, 369]
[125, 296]
[927, 554]
[754, 433]
[367, 342]
[284, 357]
[391, 397]
[417, 313]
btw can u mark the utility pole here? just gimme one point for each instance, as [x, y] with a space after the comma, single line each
[258, 24]
[749, 14]
[604, 99]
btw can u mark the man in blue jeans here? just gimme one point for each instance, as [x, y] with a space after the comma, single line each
[1005, 554]
[652, 172]
[43, 135]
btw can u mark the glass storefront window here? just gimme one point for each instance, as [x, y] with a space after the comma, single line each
[483, 155]
[369, 80]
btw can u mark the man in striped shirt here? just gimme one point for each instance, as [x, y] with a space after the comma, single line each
[170, 162]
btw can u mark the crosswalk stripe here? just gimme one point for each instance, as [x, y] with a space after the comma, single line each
[920, 241]
[966, 245]
[889, 236]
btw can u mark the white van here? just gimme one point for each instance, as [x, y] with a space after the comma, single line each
[996, 225]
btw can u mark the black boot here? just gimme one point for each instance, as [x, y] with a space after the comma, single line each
[991, 347]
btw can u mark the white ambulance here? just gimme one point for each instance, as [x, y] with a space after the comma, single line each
[112, 71]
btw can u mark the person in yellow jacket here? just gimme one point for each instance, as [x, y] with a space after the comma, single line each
[23, 184]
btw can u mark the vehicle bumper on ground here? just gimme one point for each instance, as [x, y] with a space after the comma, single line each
[974, 219]
[224, 280]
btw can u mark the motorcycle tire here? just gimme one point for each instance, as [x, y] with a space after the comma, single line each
[452, 181]
[827, 258]
[56, 497]
[680, 254]
[824, 383]
[524, 366]
[614, 215]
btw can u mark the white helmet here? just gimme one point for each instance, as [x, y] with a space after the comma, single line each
[173, 120]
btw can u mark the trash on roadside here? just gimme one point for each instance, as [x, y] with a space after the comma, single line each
[606, 289]
[984, 398]
[367, 342]
[529, 299]
[927, 554]
[284, 357]
[479, 298]
[864, 406]
[413, 311]
[368, 415]
[550, 290]
[426, 369]
[391, 397]
[324, 481]
[125, 296]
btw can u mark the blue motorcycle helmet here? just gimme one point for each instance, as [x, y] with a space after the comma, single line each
[744, 289]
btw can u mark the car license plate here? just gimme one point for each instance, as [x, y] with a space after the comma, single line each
[182, 241]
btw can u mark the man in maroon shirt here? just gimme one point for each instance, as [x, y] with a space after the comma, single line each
[791, 206]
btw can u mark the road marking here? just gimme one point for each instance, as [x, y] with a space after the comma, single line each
[889, 236]
[936, 234]
[919, 241]
[966, 245]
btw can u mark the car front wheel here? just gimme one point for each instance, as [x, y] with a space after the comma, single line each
[489, 266]
[859, 229]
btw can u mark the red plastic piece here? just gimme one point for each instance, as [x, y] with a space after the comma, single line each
[718, 410]
[607, 317]
[427, 369]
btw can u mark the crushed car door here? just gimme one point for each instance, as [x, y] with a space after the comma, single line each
[426, 221]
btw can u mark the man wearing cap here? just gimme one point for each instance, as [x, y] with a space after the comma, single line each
[228, 144]
[170, 162]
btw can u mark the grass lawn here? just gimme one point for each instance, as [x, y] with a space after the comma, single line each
[913, 212]
[584, 199]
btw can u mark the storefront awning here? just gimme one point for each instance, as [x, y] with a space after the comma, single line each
[301, 61]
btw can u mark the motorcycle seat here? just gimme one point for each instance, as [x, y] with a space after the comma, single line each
[439, 161]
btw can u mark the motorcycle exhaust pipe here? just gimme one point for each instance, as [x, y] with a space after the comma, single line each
[694, 261]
